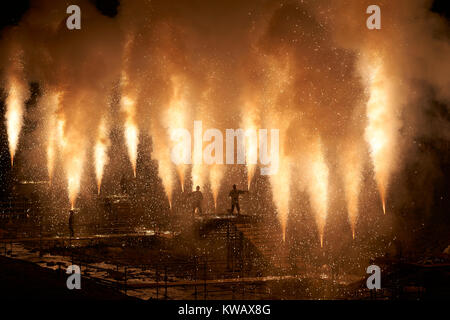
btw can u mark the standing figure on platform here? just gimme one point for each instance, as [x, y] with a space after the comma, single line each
[197, 199]
[71, 214]
[234, 195]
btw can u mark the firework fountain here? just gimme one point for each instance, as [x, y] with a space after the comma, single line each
[169, 74]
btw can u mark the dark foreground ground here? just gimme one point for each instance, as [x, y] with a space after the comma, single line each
[25, 280]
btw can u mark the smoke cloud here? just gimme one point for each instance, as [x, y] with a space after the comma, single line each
[347, 100]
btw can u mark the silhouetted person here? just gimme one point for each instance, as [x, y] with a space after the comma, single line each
[71, 214]
[197, 199]
[234, 195]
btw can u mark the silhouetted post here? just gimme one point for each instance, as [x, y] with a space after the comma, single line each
[40, 234]
[204, 273]
[195, 276]
[229, 252]
[165, 282]
[242, 281]
[125, 280]
[157, 282]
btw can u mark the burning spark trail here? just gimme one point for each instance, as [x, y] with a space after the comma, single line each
[131, 131]
[163, 133]
[74, 168]
[175, 118]
[318, 187]
[281, 192]
[73, 155]
[382, 127]
[60, 128]
[279, 75]
[14, 115]
[352, 175]
[100, 152]
[251, 143]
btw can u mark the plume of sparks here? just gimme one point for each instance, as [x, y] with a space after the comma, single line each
[60, 132]
[317, 187]
[251, 143]
[382, 126]
[73, 155]
[281, 189]
[352, 175]
[14, 114]
[175, 118]
[279, 79]
[131, 131]
[74, 168]
[100, 152]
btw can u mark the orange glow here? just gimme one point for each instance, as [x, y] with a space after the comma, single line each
[100, 152]
[281, 192]
[74, 168]
[318, 186]
[14, 114]
[175, 118]
[54, 100]
[351, 170]
[383, 125]
[131, 131]
[251, 141]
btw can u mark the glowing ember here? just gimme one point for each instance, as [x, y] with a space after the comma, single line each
[280, 182]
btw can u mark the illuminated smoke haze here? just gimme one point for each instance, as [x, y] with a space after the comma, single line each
[308, 68]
